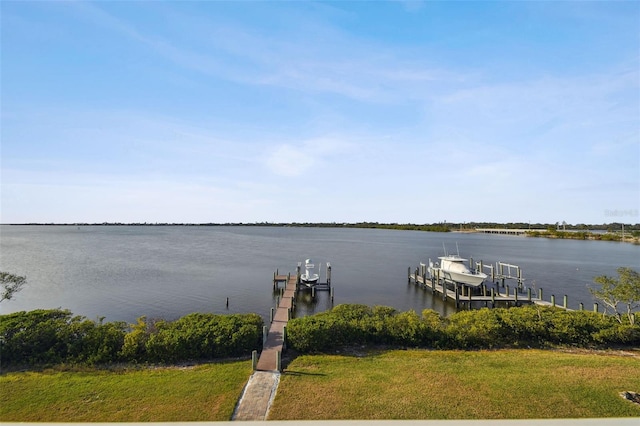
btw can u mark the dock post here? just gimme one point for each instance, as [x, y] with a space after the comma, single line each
[331, 293]
[539, 294]
[271, 315]
[278, 301]
[520, 281]
[275, 283]
[437, 281]
[328, 274]
[484, 290]
[288, 313]
[279, 361]
[469, 294]
[515, 295]
[254, 359]
[581, 306]
[507, 291]
[444, 291]
[457, 294]
[265, 332]
[284, 337]
[553, 300]
[595, 307]
[313, 293]
[409, 275]
[493, 299]
[529, 294]
[565, 301]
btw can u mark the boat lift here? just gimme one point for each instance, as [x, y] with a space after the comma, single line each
[501, 276]
[497, 272]
[318, 284]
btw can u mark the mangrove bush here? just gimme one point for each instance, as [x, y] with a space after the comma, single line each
[45, 337]
[529, 326]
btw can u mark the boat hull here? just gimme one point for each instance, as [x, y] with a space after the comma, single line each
[472, 280]
[309, 280]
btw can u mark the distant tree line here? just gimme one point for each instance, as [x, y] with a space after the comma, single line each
[434, 227]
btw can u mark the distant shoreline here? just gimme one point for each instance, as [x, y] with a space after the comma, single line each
[628, 233]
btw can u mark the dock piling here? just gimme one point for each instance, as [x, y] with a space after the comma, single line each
[284, 337]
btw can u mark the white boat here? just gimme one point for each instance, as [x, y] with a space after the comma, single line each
[308, 276]
[453, 268]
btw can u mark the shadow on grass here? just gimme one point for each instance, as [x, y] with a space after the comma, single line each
[301, 373]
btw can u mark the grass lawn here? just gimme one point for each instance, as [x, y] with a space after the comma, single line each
[206, 392]
[415, 384]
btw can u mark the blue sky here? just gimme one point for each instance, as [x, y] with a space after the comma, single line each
[340, 111]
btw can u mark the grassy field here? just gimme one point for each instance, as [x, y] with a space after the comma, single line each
[380, 385]
[205, 392]
[458, 385]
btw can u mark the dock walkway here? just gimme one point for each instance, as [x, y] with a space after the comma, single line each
[261, 388]
[268, 360]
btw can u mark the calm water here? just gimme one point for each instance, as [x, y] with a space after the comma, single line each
[122, 273]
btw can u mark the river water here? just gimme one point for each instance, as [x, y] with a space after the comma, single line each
[124, 272]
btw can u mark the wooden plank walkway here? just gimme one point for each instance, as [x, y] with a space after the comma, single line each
[275, 341]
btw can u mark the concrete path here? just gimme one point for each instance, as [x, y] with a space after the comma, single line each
[257, 396]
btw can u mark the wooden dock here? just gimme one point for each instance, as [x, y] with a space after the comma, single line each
[462, 294]
[487, 294]
[274, 342]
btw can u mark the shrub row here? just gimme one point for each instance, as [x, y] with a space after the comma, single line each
[44, 337]
[530, 326]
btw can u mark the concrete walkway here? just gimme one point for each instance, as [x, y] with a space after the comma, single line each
[257, 396]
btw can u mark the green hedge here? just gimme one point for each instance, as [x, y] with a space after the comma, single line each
[44, 337]
[530, 326]
[347, 325]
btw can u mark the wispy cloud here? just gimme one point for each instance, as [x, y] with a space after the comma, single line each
[291, 160]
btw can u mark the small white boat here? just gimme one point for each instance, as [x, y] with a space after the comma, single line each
[453, 268]
[308, 276]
